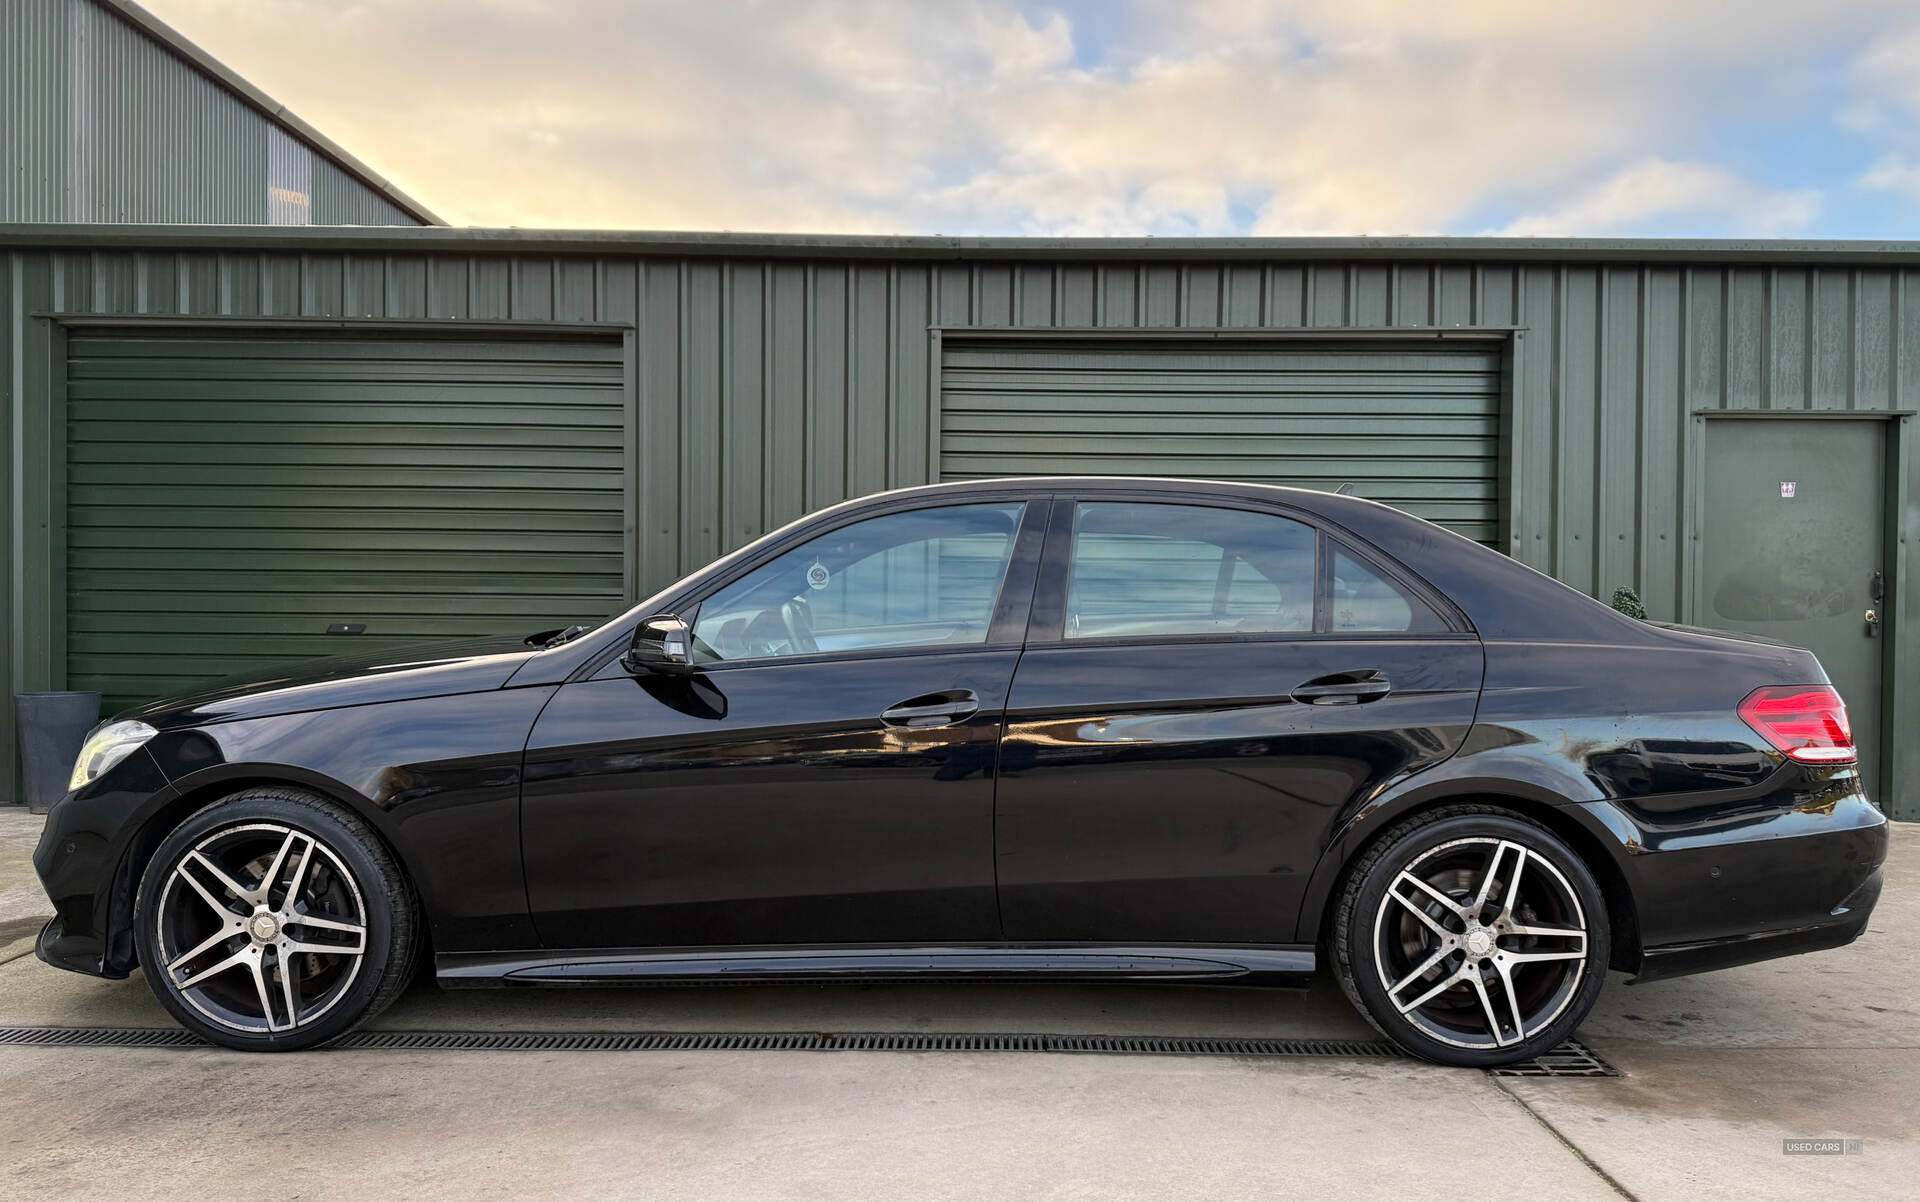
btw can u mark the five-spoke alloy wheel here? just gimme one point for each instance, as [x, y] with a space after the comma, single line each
[272, 919]
[1472, 936]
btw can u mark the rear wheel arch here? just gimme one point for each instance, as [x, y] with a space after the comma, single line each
[1589, 842]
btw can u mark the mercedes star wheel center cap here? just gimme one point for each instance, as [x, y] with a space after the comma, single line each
[1479, 942]
[264, 927]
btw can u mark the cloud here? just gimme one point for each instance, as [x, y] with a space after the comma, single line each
[1656, 188]
[1893, 172]
[977, 116]
[1888, 71]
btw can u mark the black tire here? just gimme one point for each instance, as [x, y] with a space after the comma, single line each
[331, 875]
[1532, 992]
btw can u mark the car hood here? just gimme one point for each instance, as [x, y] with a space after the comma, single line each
[391, 673]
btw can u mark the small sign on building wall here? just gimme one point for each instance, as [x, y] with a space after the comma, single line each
[1787, 488]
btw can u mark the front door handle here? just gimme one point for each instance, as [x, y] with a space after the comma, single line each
[933, 709]
[1345, 688]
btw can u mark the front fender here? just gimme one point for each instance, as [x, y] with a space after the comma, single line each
[438, 778]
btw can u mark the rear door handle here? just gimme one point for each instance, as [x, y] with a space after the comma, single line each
[1345, 688]
[933, 709]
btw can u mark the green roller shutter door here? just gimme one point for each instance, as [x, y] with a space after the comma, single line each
[1414, 425]
[230, 495]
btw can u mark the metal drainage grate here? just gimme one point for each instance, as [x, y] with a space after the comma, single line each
[1570, 1059]
[97, 1037]
[738, 1041]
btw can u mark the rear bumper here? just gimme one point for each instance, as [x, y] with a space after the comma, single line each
[1729, 889]
[1841, 927]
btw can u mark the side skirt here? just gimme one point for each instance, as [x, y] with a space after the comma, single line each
[1286, 966]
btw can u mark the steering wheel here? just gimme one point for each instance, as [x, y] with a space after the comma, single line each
[797, 617]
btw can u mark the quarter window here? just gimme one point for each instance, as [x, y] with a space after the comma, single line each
[1363, 600]
[1144, 569]
[919, 578]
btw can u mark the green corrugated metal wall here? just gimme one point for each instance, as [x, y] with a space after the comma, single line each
[339, 199]
[758, 389]
[100, 123]
[229, 497]
[1416, 426]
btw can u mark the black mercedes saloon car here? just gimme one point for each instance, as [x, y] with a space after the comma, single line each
[1055, 729]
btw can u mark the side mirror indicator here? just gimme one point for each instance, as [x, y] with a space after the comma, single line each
[661, 644]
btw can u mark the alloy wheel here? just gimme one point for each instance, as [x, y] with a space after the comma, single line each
[261, 927]
[1480, 943]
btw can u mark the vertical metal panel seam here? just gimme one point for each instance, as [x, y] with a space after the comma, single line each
[768, 448]
[890, 452]
[1769, 308]
[1853, 344]
[682, 425]
[1896, 344]
[1559, 552]
[1809, 302]
[723, 418]
[849, 375]
[1602, 333]
[935, 353]
[1642, 433]
[809, 422]
[1682, 474]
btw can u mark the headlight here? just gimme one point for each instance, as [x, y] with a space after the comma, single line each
[105, 747]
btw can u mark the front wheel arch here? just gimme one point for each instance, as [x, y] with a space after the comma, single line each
[355, 879]
[202, 790]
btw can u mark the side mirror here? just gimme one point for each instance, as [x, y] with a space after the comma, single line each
[661, 644]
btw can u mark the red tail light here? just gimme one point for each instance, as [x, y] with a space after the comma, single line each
[1807, 721]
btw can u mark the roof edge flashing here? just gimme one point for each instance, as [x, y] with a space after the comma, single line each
[922, 247]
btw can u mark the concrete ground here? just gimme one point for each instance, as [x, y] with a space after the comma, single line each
[1720, 1069]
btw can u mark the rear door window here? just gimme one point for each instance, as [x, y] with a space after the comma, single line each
[1141, 569]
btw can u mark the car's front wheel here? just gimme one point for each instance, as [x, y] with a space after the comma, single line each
[273, 920]
[1470, 935]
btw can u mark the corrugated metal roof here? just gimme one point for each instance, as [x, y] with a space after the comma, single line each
[184, 49]
[925, 247]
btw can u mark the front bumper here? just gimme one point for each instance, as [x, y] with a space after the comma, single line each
[83, 863]
[1719, 890]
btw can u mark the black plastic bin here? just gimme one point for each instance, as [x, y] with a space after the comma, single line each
[52, 727]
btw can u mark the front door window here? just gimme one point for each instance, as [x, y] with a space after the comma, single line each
[921, 578]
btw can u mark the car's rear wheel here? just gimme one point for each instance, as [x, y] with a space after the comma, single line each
[274, 920]
[1470, 935]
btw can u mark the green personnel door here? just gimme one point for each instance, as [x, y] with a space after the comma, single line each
[232, 495]
[1416, 425]
[1794, 547]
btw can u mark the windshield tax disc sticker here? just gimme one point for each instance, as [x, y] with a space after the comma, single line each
[818, 576]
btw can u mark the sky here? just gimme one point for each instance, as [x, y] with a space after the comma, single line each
[1657, 118]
